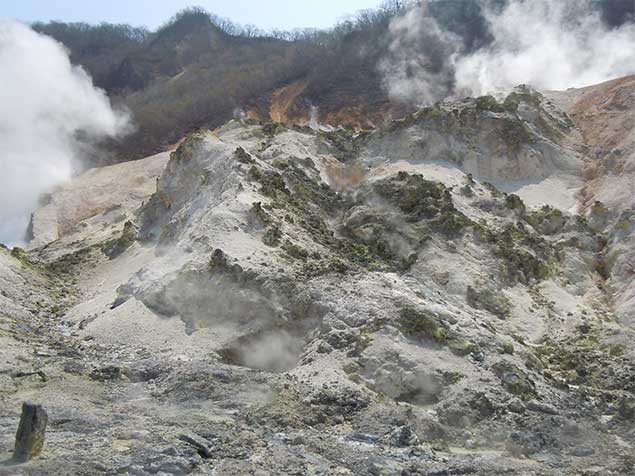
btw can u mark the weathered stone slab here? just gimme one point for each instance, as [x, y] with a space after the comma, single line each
[29, 440]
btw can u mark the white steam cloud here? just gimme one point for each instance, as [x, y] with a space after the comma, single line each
[49, 109]
[549, 45]
[421, 57]
[545, 43]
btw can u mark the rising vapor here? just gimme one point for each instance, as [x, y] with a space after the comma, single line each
[50, 112]
[421, 55]
[549, 44]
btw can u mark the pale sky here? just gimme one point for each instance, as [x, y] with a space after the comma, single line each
[266, 14]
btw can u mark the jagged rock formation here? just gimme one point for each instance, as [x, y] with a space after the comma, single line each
[604, 116]
[106, 194]
[416, 299]
[522, 144]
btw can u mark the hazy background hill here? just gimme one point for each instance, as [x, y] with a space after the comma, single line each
[199, 70]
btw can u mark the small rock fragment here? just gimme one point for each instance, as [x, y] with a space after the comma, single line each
[522, 443]
[125, 241]
[29, 440]
[109, 373]
[402, 437]
[22, 374]
[218, 260]
[133, 435]
[540, 407]
[170, 451]
[202, 445]
[362, 438]
[582, 452]
[627, 409]
[516, 405]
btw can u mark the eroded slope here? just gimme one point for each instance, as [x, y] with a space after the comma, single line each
[299, 302]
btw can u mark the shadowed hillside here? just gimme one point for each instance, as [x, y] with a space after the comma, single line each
[199, 70]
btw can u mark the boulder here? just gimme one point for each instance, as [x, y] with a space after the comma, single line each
[29, 440]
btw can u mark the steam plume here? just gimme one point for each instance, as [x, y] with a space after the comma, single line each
[549, 44]
[419, 66]
[50, 112]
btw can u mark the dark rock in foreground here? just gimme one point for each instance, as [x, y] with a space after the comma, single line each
[29, 439]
